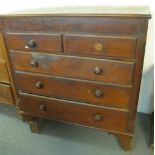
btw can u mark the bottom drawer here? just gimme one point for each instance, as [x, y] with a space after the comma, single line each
[74, 112]
[5, 93]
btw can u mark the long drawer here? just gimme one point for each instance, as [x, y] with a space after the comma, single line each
[87, 24]
[74, 112]
[75, 67]
[93, 93]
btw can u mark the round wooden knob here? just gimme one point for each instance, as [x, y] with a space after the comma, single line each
[98, 70]
[39, 85]
[98, 118]
[98, 46]
[42, 107]
[98, 93]
[31, 44]
[34, 63]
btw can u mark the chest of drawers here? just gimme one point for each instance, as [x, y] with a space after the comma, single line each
[78, 68]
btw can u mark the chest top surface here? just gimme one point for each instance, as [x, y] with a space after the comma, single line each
[130, 11]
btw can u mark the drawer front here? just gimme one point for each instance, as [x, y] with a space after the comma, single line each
[110, 46]
[90, 24]
[93, 93]
[74, 112]
[3, 73]
[50, 43]
[75, 67]
[5, 93]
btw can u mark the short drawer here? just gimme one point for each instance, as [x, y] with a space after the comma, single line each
[90, 92]
[75, 67]
[108, 46]
[5, 93]
[74, 112]
[4, 78]
[50, 43]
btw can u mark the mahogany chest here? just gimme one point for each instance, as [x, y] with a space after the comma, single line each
[80, 68]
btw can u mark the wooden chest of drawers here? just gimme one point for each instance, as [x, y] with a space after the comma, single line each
[78, 68]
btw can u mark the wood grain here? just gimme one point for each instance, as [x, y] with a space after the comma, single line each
[4, 77]
[5, 94]
[49, 43]
[113, 95]
[73, 112]
[76, 67]
[89, 24]
[7, 72]
[112, 46]
[119, 42]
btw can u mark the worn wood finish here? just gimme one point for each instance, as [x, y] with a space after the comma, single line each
[2, 58]
[75, 67]
[125, 141]
[112, 46]
[112, 95]
[89, 24]
[5, 94]
[74, 112]
[2, 48]
[4, 77]
[140, 51]
[102, 51]
[36, 125]
[49, 43]
[7, 89]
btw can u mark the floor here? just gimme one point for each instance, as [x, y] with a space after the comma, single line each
[63, 139]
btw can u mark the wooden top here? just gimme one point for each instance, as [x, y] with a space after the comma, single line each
[130, 11]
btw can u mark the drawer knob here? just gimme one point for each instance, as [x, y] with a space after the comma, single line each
[34, 63]
[98, 93]
[98, 118]
[42, 107]
[31, 44]
[97, 70]
[39, 85]
[98, 46]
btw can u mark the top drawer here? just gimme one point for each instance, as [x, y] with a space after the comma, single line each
[49, 43]
[113, 46]
[87, 24]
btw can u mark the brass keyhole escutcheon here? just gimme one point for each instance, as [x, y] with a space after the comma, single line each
[98, 46]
